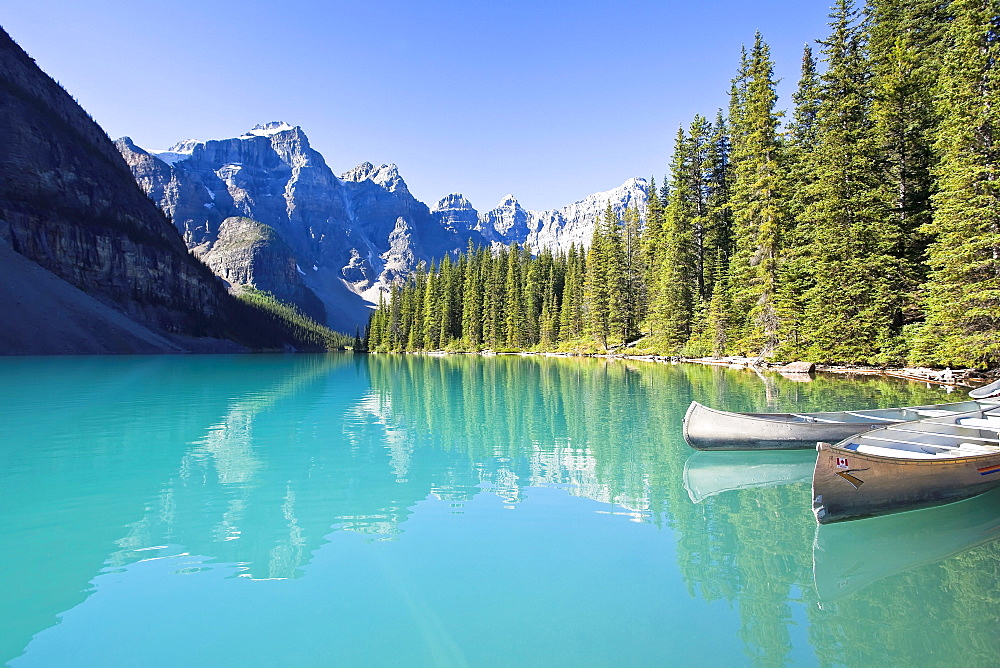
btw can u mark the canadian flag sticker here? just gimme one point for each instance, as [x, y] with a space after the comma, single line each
[842, 463]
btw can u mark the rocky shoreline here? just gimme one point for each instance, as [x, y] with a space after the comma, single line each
[946, 376]
[970, 378]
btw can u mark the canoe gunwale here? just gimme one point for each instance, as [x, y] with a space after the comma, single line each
[826, 447]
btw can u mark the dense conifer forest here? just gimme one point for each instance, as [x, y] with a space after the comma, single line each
[271, 320]
[863, 226]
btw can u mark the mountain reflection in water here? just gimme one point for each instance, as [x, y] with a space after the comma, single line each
[254, 465]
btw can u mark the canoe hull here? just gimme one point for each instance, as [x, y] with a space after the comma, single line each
[709, 429]
[851, 485]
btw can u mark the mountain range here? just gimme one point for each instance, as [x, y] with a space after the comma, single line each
[264, 208]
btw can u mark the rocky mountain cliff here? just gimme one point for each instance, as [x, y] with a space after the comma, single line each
[337, 228]
[69, 203]
[250, 253]
[91, 265]
[349, 236]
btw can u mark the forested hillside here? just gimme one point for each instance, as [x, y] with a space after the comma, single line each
[861, 226]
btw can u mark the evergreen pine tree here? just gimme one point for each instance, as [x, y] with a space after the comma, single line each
[616, 275]
[905, 39]
[597, 292]
[672, 302]
[851, 308]
[652, 249]
[634, 291]
[394, 340]
[472, 298]
[795, 270]
[513, 315]
[717, 237]
[571, 308]
[427, 333]
[962, 295]
[495, 300]
[535, 272]
[376, 330]
[446, 301]
[756, 199]
[719, 309]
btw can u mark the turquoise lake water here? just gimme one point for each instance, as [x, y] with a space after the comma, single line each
[425, 511]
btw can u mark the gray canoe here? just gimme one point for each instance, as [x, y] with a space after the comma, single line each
[991, 390]
[710, 429]
[908, 466]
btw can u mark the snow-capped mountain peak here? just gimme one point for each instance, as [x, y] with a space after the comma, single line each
[359, 233]
[386, 176]
[182, 150]
[268, 129]
[359, 173]
[456, 214]
[559, 228]
[186, 146]
[452, 201]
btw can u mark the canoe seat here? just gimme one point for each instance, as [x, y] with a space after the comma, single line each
[898, 453]
[812, 418]
[976, 449]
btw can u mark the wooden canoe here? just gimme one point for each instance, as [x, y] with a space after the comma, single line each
[908, 466]
[711, 429]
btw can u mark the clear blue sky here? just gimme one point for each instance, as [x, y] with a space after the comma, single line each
[547, 100]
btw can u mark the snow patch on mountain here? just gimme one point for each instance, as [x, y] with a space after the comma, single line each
[182, 150]
[267, 129]
[170, 157]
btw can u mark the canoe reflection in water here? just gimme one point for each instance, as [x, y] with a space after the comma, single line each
[850, 556]
[709, 473]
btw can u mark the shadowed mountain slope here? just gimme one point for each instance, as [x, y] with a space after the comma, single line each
[70, 205]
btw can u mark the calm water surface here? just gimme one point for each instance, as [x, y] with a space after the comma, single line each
[405, 510]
